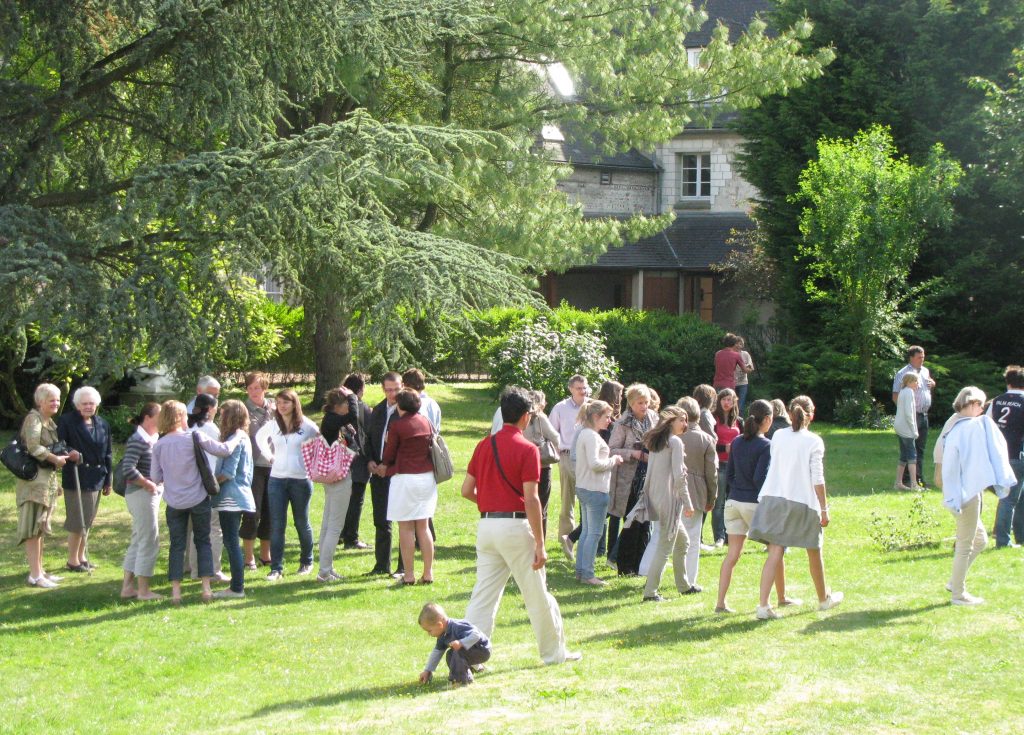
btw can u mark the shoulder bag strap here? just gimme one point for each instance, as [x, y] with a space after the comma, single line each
[497, 461]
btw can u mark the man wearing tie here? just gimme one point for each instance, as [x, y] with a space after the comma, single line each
[383, 413]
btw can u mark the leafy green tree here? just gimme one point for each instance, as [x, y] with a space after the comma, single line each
[378, 157]
[908, 65]
[865, 214]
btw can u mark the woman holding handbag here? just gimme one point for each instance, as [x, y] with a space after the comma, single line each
[35, 497]
[412, 497]
[542, 434]
[339, 425]
[175, 464]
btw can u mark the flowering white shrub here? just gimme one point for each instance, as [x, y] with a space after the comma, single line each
[537, 356]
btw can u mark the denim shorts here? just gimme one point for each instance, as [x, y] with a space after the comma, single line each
[908, 453]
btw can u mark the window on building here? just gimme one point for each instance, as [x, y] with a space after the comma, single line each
[695, 176]
[693, 57]
[606, 177]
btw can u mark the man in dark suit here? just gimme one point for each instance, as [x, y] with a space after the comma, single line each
[383, 413]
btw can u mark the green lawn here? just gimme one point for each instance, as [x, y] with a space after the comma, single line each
[301, 657]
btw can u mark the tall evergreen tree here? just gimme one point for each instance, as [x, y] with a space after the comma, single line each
[907, 65]
[377, 156]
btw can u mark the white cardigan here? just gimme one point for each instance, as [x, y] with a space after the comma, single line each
[906, 414]
[593, 465]
[797, 465]
[974, 458]
[285, 450]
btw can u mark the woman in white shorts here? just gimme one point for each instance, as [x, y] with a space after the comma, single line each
[747, 469]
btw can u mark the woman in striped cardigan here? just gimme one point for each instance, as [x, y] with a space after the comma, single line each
[143, 498]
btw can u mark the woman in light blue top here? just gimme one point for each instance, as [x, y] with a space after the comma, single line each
[234, 474]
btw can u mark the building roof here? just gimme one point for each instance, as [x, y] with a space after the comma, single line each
[693, 242]
[736, 14]
[582, 151]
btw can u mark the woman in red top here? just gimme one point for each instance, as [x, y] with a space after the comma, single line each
[727, 428]
[412, 497]
[727, 360]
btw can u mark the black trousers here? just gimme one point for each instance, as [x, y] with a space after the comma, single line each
[919, 444]
[382, 544]
[460, 661]
[350, 532]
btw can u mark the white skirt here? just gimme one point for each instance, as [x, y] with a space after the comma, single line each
[412, 497]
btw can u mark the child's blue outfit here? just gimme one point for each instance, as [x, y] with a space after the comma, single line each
[476, 648]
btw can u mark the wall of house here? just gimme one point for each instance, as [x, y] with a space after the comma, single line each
[628, 193]
[729, 191]
[589, 289]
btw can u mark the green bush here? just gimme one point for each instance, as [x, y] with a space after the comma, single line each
[671, 354]
[954, 371]
[118, 417]
[819, 372]
[918, 528]
[536, 355]
[295, 357]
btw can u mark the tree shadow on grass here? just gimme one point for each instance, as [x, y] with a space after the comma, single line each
[677, 630]
[46, 611]
[382, 692]
[903, 557]
[861, 619]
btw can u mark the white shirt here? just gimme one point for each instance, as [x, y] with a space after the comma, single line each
[797, 465]
[974, 457]
[430, 409]
[285, 450]
[563, 419]
[922, 393]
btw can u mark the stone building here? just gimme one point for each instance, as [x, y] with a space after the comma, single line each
[693, 175]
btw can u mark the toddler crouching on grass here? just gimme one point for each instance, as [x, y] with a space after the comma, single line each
[465, 648]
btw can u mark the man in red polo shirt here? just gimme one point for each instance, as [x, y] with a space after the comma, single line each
[502, 480]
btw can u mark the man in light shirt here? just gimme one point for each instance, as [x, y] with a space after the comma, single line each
[922, 397]
[563, 419]
[206, 384]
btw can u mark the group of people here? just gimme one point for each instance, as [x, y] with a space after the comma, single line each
[254, 457]
[654, 474]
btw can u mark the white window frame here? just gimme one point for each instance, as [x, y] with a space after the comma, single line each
[702, 179]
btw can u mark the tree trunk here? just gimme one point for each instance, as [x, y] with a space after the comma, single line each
[328, 323]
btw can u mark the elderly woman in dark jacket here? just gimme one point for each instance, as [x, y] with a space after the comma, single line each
[89, 435]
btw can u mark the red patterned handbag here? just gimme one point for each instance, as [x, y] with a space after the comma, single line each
[327, 463]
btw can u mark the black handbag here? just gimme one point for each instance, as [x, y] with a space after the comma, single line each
[209, 481]
[16, 458]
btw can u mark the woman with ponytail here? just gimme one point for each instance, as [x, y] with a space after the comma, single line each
[143, 498]
[792, 508]
[747, 468]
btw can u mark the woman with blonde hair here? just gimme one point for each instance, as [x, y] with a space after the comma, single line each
[627, 443]
[792, 507]
[234, 473]
[593, 481]
[971, 457]
[35, 497]
[174, 465]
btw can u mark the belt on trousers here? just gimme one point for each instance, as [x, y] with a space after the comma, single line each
[504, 514]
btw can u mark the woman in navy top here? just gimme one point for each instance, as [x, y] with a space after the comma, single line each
[747, 469]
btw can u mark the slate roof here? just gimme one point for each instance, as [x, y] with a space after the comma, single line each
[736, 14]
[693, 242]
[579, 151]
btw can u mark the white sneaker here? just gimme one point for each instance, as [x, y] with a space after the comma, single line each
[274, 577]
[567, 548]
[833, 599]
[328, 576]
[228, 595]
[968, 599]
[221, 576]
[41, 581]
[573, 655]
[791, 602]
[304, 569]
[765, 613]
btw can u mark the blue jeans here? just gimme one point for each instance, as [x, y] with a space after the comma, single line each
[593, 508]
[1010, 511]
[741, 397]
[177, 528]
[284, 491]
[718, 512]
[230, 522]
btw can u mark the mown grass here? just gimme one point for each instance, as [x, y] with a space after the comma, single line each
[301, 657]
